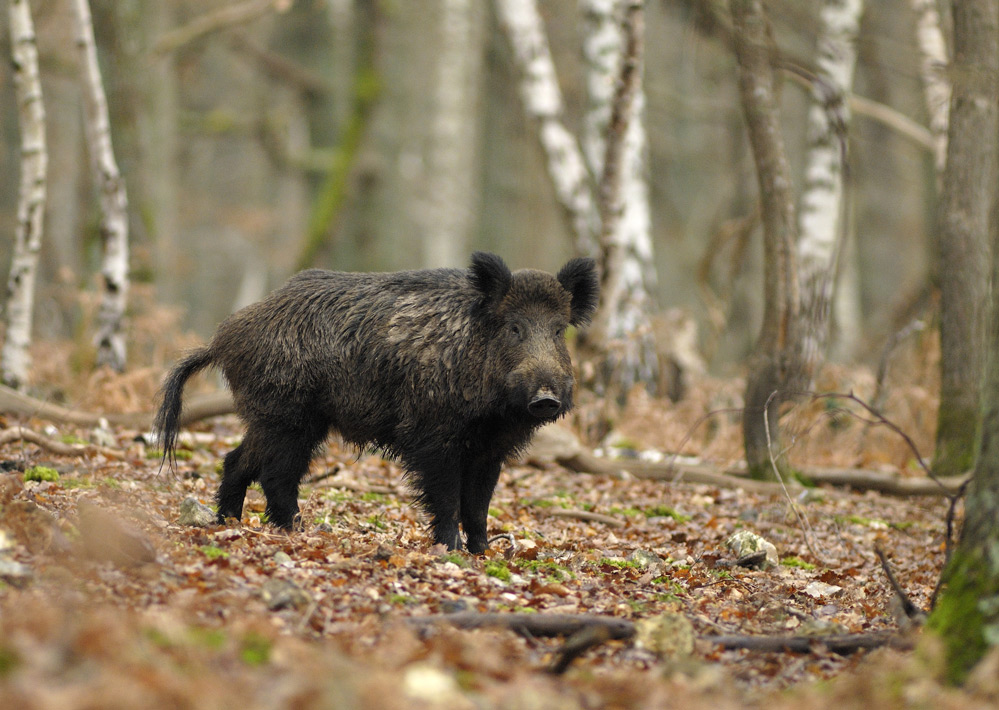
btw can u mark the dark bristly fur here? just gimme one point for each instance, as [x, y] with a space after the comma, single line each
[448, 370]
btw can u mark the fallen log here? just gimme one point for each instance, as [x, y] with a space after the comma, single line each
[558, 444]
[842, 644]
[197, 408]
[540, 625]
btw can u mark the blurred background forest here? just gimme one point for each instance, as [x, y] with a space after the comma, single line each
[322, 133]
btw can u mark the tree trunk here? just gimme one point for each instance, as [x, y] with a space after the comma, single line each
[967, 611]
[109, 338]
[15, 359]
[775, 365]
[936, 86]
[616, 150]
[451, 184]
[821, 232]
[542, 100]
[963, 227]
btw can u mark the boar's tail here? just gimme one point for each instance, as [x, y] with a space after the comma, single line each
[167, 422]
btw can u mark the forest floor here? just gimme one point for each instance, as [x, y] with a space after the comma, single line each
[107, 601]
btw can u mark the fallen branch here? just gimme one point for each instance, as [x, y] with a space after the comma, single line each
[842, 644]
[544, 625]
[584, 515]
[20, 433]
[578, 644]
[197, 408]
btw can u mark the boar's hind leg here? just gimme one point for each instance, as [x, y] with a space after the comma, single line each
[477, 486]
[285, 463]
[239, 470]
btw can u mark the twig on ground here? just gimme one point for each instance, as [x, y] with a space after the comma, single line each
[806, 528]
[911, 610]
[541, 624]
[20, 433]
[584, 515]
[837, 643]
[578, 644]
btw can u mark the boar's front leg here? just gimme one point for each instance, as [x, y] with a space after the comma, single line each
[439, 484]
[477, 485]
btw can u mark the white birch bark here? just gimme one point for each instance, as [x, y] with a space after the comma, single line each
[936, 85]
[451, 180]
[613, 35]
[15, 359]
[110, 339]
[820, 229]
[542, 99]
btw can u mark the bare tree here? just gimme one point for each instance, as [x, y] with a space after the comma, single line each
[775, 365]
[15, 359]
[616, 151]
[542, 98]
[966, 614]
[821, 231]
[109, 338]
[968, 191]
[936, 85]
[614, 222]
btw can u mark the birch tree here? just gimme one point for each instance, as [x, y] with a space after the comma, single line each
[820, 223]
[968, 191]
[616, 151]
[15, 359]
[110, 339]
[933, 67]
[542, 99]
[612, 222]
[775, 364]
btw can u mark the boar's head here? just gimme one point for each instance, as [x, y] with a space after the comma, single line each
[525, 315]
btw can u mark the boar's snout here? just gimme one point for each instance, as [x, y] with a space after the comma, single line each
[545, 405]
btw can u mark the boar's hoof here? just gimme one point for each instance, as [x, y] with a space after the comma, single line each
[544, 406]
[477, 547]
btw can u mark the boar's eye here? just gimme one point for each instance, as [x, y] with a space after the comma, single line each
[516, 331]
[560, 332]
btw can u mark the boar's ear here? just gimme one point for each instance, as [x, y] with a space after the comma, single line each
[579, 278]
[490, 277]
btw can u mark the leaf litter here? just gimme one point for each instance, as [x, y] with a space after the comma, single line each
[113, 603]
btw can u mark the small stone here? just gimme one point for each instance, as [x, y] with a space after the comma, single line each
[283, 558]
[195, 513]
[746, 544]
[669, 636]
[644, 558]
[14, 573]
[284, 594]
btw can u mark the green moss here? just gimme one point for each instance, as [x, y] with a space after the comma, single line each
[255, 649]
[455, 558]
[619, 564]
[9, 661]
[796, 562]
[663, 511]
[213, 553]
[179, 454]
[73, 439]
[41, 473]
[958, 618]
[497, 569]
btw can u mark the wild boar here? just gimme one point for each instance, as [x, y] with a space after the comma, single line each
[448, 370]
